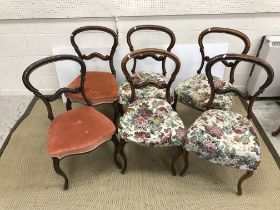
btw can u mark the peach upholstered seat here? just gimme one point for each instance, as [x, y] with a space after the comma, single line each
[78, 131]
[100, 87]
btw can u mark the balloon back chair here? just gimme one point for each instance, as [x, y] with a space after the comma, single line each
[76, 131]
[151, 121]
[100, 87]
[224, 137]
[195, 91]
[149, 91]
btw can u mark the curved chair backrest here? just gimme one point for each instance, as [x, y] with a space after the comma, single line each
[152, 28]
[155, 53]
[49, 98]
[96, 54]
[239, 57]
[229, 31]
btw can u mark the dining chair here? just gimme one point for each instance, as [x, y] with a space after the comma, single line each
[149, 91]
[195, 91]
[100, 86]
[76, 131]
[151, 121]
[225, 137]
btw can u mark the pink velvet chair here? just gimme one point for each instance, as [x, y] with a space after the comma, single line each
[100, 85]
[76, 131]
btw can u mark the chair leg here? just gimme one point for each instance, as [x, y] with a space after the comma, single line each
[116, 112]
[120, 106]
[275, 133]
[122, 153]
[178, 154]
[68, 104]
[60, 172]
[174, 105]
[116, 147]
[186, 161]
[245, 176]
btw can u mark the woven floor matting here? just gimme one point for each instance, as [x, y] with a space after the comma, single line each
[28, 181]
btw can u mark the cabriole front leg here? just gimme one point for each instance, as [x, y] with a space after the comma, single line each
[123, 155]
[245, 176]
[116, 147]
[60, 172]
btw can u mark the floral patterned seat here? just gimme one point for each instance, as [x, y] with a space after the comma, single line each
[146, 92]
[152, 122]
[226, 138]
[195, 92]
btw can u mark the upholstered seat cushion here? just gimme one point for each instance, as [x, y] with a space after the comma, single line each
[226, 138]
[77, 131]
[146, 92]
[152, 122]
[195, 92]
[100, 87]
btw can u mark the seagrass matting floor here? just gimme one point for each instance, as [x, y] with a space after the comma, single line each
[28, 181]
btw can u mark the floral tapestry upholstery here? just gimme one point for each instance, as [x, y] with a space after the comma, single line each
[195, 92]
[146, 92]
[226, 138]
[152, 122]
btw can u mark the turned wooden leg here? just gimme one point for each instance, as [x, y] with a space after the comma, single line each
[186, 161]
[275, 133]
[60, 172]
[174, 105]
[123, 155]
[68, 104]
[176, 156]
[115, 154]
[245, 176]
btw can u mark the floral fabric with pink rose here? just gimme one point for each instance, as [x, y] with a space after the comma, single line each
[145, 92]
[226, 138]
[152, 122]
[196, 91]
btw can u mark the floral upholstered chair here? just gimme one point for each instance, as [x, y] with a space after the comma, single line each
[100, 86]
[224, 137]
[76, 131]
[149, 91]
[151, 121]
[195, 91]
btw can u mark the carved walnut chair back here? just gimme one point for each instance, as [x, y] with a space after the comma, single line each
[96, 54]
[236, 58]
[233, 32]
[151, 28]
[50, 98]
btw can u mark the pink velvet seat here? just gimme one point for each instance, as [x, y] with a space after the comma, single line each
[78, 131]
[100, 87]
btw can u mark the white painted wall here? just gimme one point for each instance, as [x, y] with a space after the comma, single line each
[24, 41]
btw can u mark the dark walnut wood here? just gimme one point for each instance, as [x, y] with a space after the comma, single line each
[49, 98]
[96, 54]
[152, 28]
[238, 58]
[228, 31]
